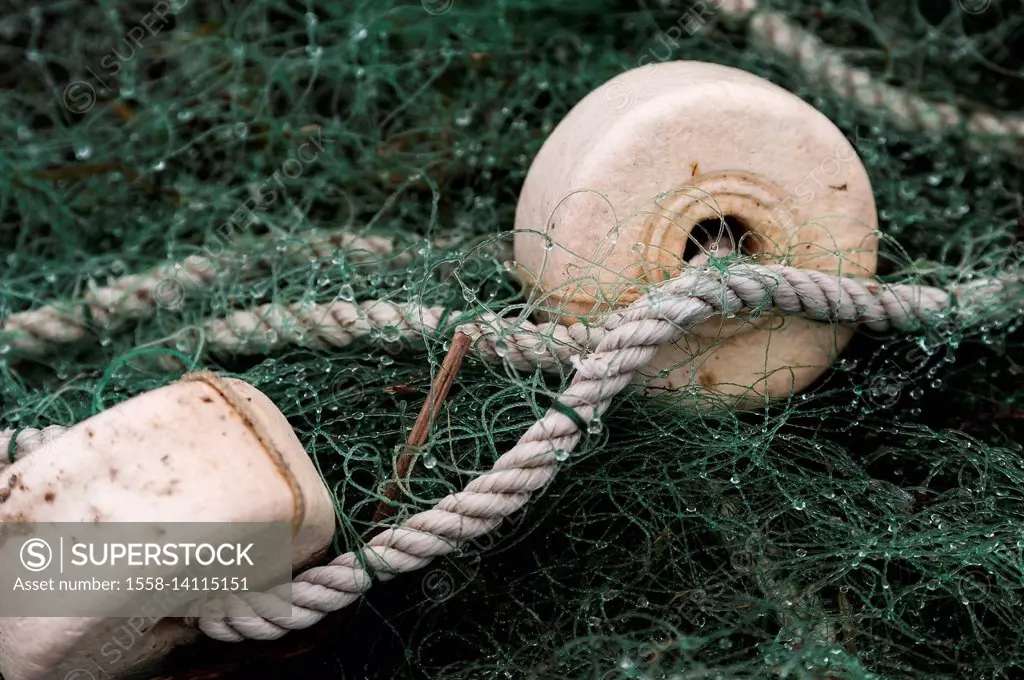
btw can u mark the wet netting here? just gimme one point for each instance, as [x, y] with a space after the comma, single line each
[167, 169]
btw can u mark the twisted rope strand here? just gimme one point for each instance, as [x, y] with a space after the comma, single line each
[138, 296]
[827, 68]
[37, 331]
[630, 339]
[525, 346]
[625, 342]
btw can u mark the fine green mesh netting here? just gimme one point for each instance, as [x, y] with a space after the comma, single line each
[872, 527]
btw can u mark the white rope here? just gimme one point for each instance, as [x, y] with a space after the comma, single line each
[525, 346]
[139, 296]
[520, 344]
[826, 67]
[625, 342]
[629, 339]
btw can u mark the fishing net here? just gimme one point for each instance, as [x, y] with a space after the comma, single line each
[870, 527]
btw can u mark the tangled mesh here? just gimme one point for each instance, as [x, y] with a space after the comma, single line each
[869, 527]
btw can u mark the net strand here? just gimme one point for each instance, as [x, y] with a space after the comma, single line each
[882, 504]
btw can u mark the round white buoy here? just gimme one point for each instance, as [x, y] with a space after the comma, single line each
[686, 164]
[205, 449]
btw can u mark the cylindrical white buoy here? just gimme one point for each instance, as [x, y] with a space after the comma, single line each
[679, 164]
[205, 449]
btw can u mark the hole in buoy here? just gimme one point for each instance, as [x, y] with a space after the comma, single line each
[718, 238]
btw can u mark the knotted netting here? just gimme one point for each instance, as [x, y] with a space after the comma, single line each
[276, 156]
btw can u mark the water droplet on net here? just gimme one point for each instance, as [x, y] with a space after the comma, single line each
[430, 461]
[594, 426]
[561, 455]
[346, 292]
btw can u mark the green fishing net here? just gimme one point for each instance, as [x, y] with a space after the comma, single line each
[870, 527]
